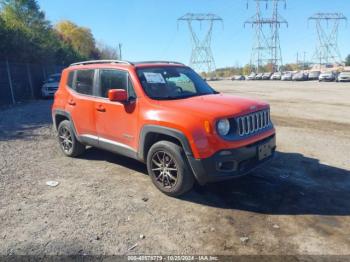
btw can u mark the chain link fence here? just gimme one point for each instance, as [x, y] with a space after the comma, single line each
[20, 82]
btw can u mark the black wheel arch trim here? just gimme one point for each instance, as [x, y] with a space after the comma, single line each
[177, 134]
[66, 114]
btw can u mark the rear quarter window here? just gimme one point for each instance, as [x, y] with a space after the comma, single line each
[70, 79]
[84, 81]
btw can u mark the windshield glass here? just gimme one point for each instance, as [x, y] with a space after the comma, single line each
[163, 83]
[54, 79]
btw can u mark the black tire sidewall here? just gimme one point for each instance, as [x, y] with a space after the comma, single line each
[184, 176]
[73, 151]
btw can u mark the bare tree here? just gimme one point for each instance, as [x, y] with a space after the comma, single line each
[107, 51]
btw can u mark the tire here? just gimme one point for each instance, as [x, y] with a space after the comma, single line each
[167, 156]
[68, 143]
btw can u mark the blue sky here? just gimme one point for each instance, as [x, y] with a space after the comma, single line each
[148, 29]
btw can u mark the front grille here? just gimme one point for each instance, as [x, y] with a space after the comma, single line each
[252, 123]
[52, 88]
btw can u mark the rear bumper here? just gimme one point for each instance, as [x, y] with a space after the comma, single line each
[228, 164]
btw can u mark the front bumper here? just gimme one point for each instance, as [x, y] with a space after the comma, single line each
[48, 93]
[228, 164]
[326, 79]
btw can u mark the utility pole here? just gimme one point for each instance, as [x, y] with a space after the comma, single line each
[266, 48]
[327, 28]
[202, 59]
[120, 51]
[297, 58]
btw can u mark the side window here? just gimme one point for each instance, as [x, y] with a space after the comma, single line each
[84, 81]
[114, 79]
[70, 79]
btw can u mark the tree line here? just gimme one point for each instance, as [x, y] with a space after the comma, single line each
[27, 36]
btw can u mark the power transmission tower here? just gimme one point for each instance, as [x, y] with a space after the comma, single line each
[202, 59]
[327, 50]
[266, 47]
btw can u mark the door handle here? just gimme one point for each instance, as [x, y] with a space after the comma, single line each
[71, 102]
[101, 108]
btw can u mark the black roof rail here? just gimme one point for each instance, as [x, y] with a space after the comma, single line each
[158, 62]
[102, 62]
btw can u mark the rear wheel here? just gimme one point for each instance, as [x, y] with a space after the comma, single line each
[69, 144]
[168, 168]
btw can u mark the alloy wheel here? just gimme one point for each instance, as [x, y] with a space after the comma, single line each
[65, 138]
[165, 169]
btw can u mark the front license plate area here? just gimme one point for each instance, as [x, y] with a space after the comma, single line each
[264, 151]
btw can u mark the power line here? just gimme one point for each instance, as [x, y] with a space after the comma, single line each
[202, 58]
[327, 28]
[266, 47]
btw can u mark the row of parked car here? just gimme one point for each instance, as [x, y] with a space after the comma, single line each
[298, 76]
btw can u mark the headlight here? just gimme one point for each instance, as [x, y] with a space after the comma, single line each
[223, 127]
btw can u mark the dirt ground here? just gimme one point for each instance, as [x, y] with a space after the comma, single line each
[297, 204]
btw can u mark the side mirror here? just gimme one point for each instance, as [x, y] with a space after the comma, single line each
[118, 95]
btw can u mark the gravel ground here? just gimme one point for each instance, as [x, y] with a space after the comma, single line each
[297, 204]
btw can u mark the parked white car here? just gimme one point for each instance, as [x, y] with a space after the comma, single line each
[327, 76]
[276, 76]
[287, 76]
[251, 76]
[344, 77]
[50, 85]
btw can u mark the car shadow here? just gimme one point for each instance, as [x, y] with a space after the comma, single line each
[93, 153]
[291, 184]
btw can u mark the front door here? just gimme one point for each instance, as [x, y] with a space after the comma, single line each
[116, 122]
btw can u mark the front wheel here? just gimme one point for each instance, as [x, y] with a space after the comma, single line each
[69, 144]
[168, 168]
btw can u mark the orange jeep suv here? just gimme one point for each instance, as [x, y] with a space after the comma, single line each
[165, 115]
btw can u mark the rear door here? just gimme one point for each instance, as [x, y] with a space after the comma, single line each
[81, 104]
[116, 122]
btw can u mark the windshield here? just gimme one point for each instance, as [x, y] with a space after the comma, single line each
[54, 79]
[163, 83]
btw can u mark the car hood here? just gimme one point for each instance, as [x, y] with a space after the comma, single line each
[326, 75]
[51, 84]
[216, 105]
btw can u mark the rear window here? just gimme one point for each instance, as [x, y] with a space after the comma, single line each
[84, 81]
